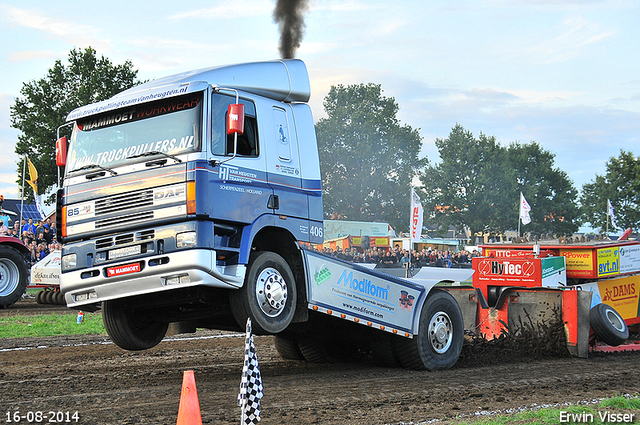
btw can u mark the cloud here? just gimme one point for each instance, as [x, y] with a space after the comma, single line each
[576, 34]
[29, 55]
[344, 6]
[228, 10]
[56, 27]
[8, 160]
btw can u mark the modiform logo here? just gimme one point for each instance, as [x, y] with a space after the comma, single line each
[364, 286]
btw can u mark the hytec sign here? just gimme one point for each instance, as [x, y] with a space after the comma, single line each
[512, 271]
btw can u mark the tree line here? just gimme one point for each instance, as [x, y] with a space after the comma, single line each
[370, 160]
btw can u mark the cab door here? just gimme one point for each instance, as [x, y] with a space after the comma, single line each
[283, 165]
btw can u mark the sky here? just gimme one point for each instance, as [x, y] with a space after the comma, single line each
[565, 74]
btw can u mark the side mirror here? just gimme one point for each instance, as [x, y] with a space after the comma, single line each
[61, 152]
[235, 119]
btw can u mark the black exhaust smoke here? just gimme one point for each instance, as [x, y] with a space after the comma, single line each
[289, 14]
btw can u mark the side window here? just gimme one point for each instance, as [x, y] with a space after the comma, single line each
[221, 143]
[248, 141]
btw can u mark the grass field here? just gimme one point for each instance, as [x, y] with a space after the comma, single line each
[620, 409]
[50, 325]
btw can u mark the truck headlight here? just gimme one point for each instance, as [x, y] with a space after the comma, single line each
[69, 262]
[186, 240]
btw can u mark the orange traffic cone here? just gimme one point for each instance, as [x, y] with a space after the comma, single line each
[189, 410]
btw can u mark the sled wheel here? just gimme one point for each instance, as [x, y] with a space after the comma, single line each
[39, 296]
[13, 276]
[131, 329]
[440, 336]
[608, 325]
[268, 295]
[59, 298]
[48, 297]
[287, 346]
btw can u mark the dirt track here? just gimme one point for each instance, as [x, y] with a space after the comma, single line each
[107, 385]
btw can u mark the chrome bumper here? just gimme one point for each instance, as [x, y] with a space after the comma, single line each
[196, 267]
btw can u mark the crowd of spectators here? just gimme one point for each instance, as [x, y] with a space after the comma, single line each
[396, 257]
[39, 237]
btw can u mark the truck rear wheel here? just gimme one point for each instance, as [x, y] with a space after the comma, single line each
[268, 295]
[13, 276]
[287, 346]
[440, 336]
[130, 329]
[383, 350]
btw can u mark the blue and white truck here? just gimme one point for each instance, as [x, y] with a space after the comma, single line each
[193, 200]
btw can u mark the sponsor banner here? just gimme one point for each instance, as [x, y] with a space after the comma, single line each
[549, 271]
[630, 259]
[621, 293]
[334, 229]
[554, 271]
[47, 270]
[507, 253]
[608, 261]
[360, 293]
[579, 262]
[377, 242]
[507, 272]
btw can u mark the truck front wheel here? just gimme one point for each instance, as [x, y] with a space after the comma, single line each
[130, 329]
[13, 276]
[268, 295]
[440, 336]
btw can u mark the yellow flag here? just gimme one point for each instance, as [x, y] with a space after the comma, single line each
[33, 176]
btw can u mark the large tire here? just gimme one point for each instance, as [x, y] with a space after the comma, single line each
[13, 276]
[130, 329]
[440, 335]
[318, 348]
[268, 295]
[608, 325]
[383, 350]
[287, 346]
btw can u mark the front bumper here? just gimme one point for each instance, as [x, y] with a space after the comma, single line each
[92, 286]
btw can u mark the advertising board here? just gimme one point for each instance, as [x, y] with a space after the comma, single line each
[359, 293]
[514, 271]
[621, 293]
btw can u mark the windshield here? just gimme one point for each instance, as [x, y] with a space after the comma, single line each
[170, 126]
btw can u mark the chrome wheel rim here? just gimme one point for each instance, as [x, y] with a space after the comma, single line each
[271, 292]
[440, 332]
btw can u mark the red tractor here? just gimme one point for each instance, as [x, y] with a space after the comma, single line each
[13, 270]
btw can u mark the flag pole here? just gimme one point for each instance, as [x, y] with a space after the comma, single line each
[24, 166]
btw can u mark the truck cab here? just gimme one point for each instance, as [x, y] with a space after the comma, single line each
[178, 190]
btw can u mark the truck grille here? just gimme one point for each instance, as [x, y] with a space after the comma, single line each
[120, 204]
[125, 238]
[125, 201]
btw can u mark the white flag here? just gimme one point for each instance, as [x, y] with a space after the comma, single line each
[611, 214]
[524, 210]
[416, 217]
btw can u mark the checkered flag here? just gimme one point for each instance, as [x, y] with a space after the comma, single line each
[251, 383]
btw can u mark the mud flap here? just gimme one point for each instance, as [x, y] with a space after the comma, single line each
[575, 316]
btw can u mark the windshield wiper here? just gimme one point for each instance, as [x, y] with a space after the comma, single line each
[93, 166]
[154, 153]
